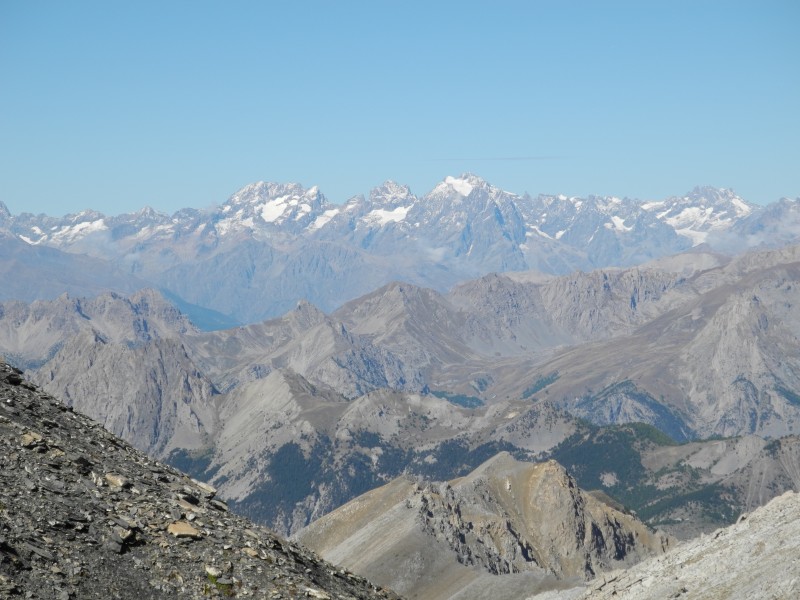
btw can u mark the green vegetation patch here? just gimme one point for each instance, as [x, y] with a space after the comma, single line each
[458, 399]
[195, 463]
[593, 451]
[540, 384]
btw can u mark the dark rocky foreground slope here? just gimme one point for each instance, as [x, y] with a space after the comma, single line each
[84, 515]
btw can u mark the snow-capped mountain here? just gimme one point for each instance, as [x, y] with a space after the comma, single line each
[271, 244]
[271, 207]
[701, 211]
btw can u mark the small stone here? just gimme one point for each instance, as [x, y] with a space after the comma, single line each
[82, 465]
[219, 505]
[213, 571]
[116, 537]
[39, 551]
[188, 496]
[208, 490]
[30, 439]
[13, 378]
[117, 481]
[182, 529]
[186, 506]
[250, 551]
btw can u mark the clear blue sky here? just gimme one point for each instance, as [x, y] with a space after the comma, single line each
[114, 105]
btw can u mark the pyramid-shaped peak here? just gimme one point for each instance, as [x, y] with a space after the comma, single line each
[465, 183]
[149, 211]
[390, 191]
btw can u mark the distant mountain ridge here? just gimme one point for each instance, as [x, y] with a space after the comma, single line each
[270, 244]
[408, 378]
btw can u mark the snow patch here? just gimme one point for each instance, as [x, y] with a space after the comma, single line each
[652, 205]
[273, 210]
[538, 231]
[321, 220]
[697, 237]
[381, 216]
[223, 226]
[742, 209]
[690, 216]
[80, 230]
[618, 224]
[303, 210]
[460, 185]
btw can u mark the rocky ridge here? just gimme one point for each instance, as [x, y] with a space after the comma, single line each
[84, 515]
[522, 525]
[406, 378]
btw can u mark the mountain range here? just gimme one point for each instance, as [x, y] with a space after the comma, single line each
[84, 515]
[270, 245]
[427, 364]
[294, 416]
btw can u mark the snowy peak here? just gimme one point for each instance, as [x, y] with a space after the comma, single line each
[462, 186]
[269, 205]
[703, 210]
[282, 242]
[389, 203]
[391, 195]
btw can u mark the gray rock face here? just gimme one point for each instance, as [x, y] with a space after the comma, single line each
[372, 388]
[119, 360]
[84, 515]
[755, 558]
[714, 359]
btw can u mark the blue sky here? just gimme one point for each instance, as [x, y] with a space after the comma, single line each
[114, 105]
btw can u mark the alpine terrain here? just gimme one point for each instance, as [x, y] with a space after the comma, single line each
[84, 515]
[270, 244]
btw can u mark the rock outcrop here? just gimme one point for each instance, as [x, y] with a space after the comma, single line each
[523, 524]
[84, 515]
[755, 558]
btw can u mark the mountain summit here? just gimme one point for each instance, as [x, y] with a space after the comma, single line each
[276, 243]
